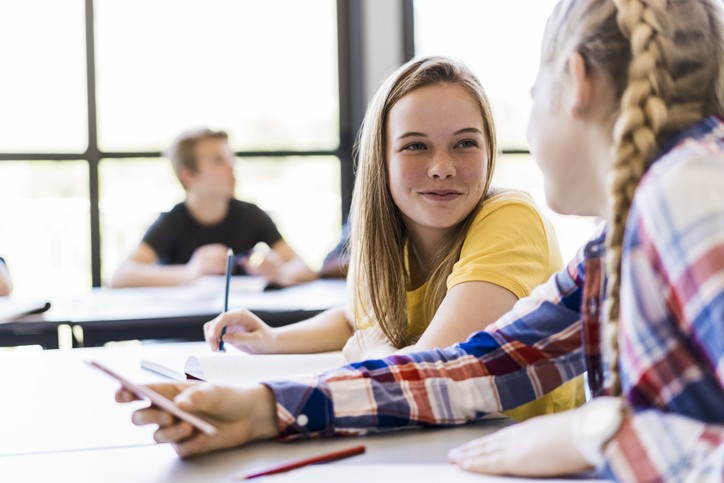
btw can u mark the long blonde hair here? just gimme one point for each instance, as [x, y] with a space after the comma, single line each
[665, 61]
[378, 234]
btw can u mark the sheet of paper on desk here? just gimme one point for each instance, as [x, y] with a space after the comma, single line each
[419, 473]
[239, 368]
[12, 309]
[251, 369]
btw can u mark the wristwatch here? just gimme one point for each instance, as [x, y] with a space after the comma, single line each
[594, 424]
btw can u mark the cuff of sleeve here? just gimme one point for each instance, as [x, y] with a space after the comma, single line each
[303, 410]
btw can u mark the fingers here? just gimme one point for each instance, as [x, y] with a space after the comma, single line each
[483, 455]
[202, 398]
[236, 322]
[251, 342]
[123, 396]
[196, 444]
[212, 332]
[151, 415]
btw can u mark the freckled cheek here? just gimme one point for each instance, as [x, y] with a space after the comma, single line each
[406, 175]
[474, 174]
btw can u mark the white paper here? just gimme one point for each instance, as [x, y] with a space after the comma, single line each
[244, 369]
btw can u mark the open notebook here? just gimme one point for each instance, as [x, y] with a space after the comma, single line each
[239, 368]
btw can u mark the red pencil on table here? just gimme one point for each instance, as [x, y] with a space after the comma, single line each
[323, 458]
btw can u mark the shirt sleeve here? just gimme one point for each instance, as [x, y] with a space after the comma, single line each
[159, 236]
[266, 230]
[514, 363]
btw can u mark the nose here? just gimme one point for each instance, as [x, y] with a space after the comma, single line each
[442, 166]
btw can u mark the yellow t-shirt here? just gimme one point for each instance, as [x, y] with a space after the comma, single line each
[513, 246]
[509, 244]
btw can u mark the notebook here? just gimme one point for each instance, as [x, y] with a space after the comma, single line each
[238, 368]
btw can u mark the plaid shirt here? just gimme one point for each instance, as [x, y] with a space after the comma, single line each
[671, 340]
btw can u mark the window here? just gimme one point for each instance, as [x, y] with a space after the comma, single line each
[80, 186]
[503, 48]
[43, 89]
[44, 230]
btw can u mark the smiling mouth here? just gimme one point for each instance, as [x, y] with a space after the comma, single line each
[441, 195]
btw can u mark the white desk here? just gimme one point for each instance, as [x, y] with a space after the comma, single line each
[59, 422]
[170, 312]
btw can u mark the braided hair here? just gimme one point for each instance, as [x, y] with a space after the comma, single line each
[665, 61]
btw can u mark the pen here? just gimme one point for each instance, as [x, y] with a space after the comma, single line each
[229, 262]
[323, 458]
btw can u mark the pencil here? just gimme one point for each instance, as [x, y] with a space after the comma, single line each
[229, 262]
[323, 458]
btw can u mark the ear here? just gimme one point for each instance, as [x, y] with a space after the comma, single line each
[581, 86]
[185, 176]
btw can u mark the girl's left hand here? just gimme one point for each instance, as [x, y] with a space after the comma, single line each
[541, 446]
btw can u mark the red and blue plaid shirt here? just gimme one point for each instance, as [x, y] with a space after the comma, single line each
[671, 338]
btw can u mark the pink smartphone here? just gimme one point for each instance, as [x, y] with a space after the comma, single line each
[157, 400]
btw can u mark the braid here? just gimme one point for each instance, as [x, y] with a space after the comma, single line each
[642, 116]
[666, 92]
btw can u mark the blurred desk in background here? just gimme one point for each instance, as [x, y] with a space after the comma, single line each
[169, 313]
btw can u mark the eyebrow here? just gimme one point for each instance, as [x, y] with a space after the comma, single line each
[408, 134]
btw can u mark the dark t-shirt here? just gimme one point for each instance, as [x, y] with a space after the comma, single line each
[175, 235]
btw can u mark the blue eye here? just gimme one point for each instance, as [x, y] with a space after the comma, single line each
[414, 147]
[468, 143]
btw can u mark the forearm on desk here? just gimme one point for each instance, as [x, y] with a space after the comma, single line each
[136, 274]
[327, 331]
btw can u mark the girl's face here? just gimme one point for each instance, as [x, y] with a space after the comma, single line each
[436, 158]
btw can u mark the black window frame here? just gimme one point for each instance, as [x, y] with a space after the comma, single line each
[351, 111]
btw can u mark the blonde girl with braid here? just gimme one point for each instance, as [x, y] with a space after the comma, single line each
[627, 124]
[436, 252]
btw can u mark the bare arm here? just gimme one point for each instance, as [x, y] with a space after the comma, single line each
[142, 270]
[327, 331]
[467, 308]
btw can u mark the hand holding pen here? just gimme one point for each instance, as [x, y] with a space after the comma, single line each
[249, 333]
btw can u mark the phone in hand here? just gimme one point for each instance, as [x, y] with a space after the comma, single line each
[143, 392]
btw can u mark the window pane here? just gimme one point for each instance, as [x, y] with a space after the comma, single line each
[497, 42]
[43, 87]
[132, 194]
[301, 194]
[45, 226]
[519, 171]
[264, 71]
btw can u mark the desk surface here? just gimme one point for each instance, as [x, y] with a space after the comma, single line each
[59, 422]
[170, 312]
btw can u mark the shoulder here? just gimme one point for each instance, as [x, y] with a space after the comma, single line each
[245, 208]
[175, 215]
[511, 207]
[178, 211]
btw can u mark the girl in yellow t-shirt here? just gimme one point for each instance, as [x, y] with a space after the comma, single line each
[436, 254]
